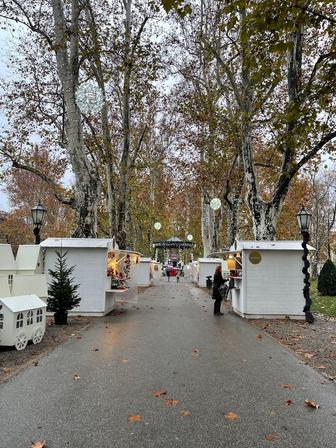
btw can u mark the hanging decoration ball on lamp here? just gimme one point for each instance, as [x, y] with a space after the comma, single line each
[190, 237]
[157, 226]
[89, 98]
[215, 203]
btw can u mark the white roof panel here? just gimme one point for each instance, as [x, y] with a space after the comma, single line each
[27, 257]
[78, 242]
[23, 303]
[269, 245]
[210, 260]
[7, 262]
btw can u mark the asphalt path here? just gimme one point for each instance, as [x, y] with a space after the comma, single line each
[214, 368]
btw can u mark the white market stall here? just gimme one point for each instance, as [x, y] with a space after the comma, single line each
[22, 318]
[268, 279]
[206, 267]
[148, 271]
[106, 275]
[143, 272]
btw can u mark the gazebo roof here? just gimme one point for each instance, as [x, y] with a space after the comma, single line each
[172, 243]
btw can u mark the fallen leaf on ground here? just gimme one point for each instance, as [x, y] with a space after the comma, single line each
[259, 336]
[159, 393]
[231, 416]
[321, 367]
[134, 418]
[308, 355]
[270, 437]
[39, 444]
[312, 404]
[36, 363]
[185, 413]
[76, 376]
[125, 361]
[289, 402]
[170, 402]
[79, 337]
[287, 386]
[95, 349]
[195, 352]
[6, 369]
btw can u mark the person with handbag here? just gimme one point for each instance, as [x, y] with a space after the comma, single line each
[218, 281]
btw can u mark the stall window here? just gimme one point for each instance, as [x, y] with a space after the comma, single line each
[1, 321]
[30, 316]
[39, 315]
[19, 320]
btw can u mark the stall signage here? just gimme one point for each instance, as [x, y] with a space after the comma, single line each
[255, 257]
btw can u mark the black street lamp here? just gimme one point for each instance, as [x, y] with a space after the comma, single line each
[304, 218]
[38, 214]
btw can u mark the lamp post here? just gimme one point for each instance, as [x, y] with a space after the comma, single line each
[38, 214]
[304, 218]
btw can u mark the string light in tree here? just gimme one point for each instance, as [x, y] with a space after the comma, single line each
[157, 226]
[215, 203]
[190, 237]
[89, 98]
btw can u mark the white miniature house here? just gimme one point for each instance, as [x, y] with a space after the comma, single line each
[267, 278]
[106, 275]
[22, 318]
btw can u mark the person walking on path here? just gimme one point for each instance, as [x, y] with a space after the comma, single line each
[218, 281]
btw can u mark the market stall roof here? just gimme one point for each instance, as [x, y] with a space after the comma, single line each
[262, 245]
[173, 242]
[77, 242]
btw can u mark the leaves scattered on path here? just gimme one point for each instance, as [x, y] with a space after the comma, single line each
[95, 349]
[259, 336]
[185, 413]
[125, 361]
[287, 386]
[231, 416]
[159, 393]
[289, 402]
[134, 418]
[76, 376]
[38, 444]
[171, 403]
[270, 437]
[312, 404]
[195, 352]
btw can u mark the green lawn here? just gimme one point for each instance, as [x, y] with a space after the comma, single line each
[322, 304]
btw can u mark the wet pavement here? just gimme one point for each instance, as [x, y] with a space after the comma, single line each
[217, 368]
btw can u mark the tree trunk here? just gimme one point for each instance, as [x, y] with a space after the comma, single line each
[124, 175]
[88, 184]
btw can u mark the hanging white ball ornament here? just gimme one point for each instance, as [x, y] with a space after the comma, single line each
[190, 237]
[157, 226]
[89, 98]
[215, 203]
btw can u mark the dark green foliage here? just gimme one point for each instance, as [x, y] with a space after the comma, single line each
[327, 280]
[62, 293]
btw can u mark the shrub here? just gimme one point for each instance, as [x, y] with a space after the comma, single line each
[327, 280]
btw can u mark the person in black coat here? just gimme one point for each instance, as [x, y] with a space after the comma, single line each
[218, 281]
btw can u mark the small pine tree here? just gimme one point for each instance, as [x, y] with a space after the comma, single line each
[62, 293]
[326, 284]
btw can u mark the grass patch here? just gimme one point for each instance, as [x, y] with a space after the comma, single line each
[322, 304]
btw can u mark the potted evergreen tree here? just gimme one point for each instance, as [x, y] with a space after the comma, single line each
[326, 284]
[62, 293]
